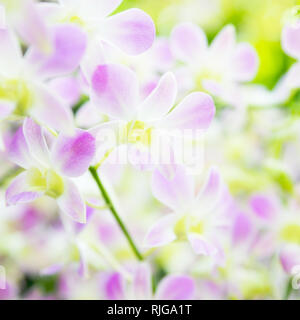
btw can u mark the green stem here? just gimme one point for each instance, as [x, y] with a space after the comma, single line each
[109, 203]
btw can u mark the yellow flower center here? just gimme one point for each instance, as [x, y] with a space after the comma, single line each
[188, 223]
[138, 133]
[17, 91]
[48, 181]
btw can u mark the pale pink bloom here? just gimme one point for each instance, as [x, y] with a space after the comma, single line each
[50, 172]
[132, 31]
[22, 77]
[199, 217]
[115, 92]
[217, 68]
[172, 287]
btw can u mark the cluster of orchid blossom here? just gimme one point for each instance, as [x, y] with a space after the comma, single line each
[143, 167]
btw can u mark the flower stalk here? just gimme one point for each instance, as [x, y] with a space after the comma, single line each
[114, 212]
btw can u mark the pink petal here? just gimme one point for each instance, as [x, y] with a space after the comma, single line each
[160, 100]
[68, 47]
[68, 88]
[71, 202]
[244, 62]
[142, 285]
[99, 9]
[114, 288]
[223, 44]
[10, 53]
[263, 206]
[210, 195]
[176, 287]
[18, 151]
[290, 257]
[73, 154]
[201, 245]
[32, 27]
[36, 141]
[161, 233]
[51, 110]
[19, 191]
[133, 31]
[290, 40]
[6, 107]
[188, 42]
[115, 91]
[175, 192]
[195, 111]
[242, 228]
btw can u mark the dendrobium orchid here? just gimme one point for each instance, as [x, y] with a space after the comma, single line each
[217, 68]
[132, 30]
[23, 91]
[197, 216]
[115, 93]
[50, 172]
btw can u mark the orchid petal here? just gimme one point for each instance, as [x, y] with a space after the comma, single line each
[51, 110]
[114, 288]
[142, 286]
[175, 192]
[20, 191]
[176, 287]
[291, 40]
[290, 257]
[242, 228]
[223, 44]
[36, 141]
[133, 31]
[6, 107]
[201, 245]
[71, 202]
[115, 91]
[73, 154]
[98, 9]
[33, 28]
[244, 62]
[160, 100]
[211, 192]
[195, 111]
[68, 47]
[18, 151]
[161, 233]
[10, 54]
[263, 207]
[188, 42]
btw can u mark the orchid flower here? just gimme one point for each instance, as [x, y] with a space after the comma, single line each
[172, 287]
[132, 30]
[23, 91]
[218, 68]
[50, 172]
[115, 93]
[197, 217]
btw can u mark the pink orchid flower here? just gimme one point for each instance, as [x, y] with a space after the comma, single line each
[172, 287]
[23, 90]
[197, 217]
[132, 31]
[115, 93]
[216, 68]
[50, 172]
